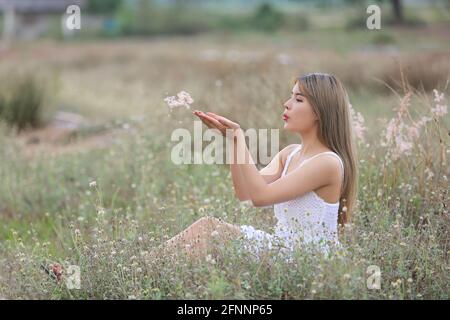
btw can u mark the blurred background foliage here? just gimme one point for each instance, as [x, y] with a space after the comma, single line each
[183, 17]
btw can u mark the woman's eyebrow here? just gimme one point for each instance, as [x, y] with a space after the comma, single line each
[298, 93]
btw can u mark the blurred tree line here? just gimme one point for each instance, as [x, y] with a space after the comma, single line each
[103, 6]
[151, 17]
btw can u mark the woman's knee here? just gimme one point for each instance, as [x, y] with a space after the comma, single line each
[211, 227]
[207, 222]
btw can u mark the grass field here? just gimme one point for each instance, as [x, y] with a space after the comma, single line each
[51, 211]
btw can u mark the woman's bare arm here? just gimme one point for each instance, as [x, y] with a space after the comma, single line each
[251, 182]
[311, 176]
[240, 189]
[270, 173]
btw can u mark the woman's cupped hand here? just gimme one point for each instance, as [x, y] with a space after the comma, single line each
[214, 121]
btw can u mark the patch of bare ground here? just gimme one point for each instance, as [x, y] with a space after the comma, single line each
[66, 133]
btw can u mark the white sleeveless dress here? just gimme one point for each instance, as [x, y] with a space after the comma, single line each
[307, 219]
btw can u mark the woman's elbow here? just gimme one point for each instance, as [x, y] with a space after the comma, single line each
[242, 197]
[259, 202]
[256, 202]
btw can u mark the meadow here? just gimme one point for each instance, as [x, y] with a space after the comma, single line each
[102, 195]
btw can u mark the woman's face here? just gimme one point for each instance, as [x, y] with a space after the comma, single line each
[298, 115]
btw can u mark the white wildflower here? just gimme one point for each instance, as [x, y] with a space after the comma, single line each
[440, 109]
[438, 97]
[210, 259]
[215, 233]
[182, 99]
[357, 122]
[143, 253]
[429, 173]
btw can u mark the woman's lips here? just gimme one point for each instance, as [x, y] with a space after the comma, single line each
[285, 117]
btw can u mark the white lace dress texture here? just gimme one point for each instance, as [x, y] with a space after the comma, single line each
[307, 219]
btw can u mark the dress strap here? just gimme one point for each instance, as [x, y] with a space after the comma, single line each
[288, 160]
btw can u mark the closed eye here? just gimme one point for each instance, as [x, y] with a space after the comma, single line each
[297, 94]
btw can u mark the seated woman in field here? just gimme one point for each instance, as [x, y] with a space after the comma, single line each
[312, 185]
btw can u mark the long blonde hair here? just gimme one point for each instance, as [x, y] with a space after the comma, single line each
[330, 102]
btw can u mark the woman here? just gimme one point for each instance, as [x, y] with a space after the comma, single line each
[312, 185]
